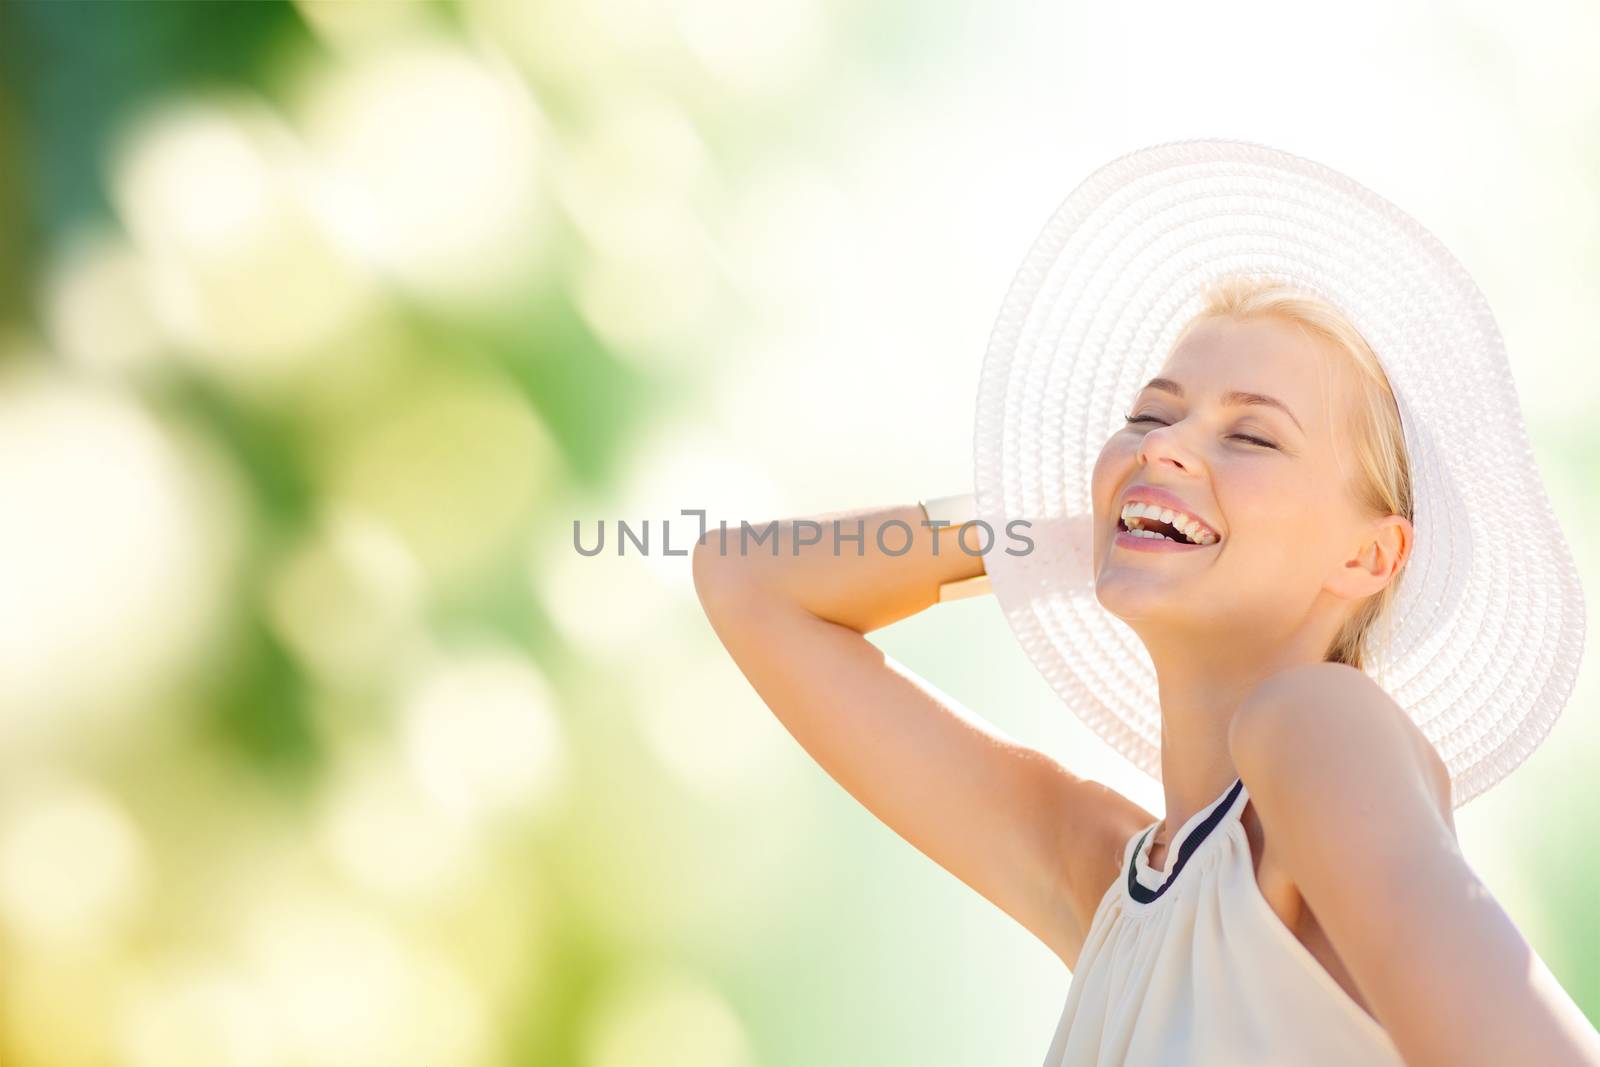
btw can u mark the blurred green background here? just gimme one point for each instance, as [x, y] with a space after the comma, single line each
[321, 324]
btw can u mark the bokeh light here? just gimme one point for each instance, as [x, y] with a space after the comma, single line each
[72, 865]
[111, 522]
[217, 193]
[346, 599]
[451, 463]
[432, 159]
[190, 1014]
[388, 834]
[668, 1019]
[481, 735]
[101, 311]
[347, 991]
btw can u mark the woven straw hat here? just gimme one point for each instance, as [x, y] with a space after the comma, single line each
[1488, 617]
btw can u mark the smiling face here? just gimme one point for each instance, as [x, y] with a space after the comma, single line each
[1272, 483]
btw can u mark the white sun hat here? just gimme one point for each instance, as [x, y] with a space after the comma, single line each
[1488, 617]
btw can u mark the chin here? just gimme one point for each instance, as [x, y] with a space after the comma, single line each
[1141, 597]
[1128, 596]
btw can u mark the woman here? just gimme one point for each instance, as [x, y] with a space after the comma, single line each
[1206, 587]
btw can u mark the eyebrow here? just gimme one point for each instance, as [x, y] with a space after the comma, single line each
[1236, 396]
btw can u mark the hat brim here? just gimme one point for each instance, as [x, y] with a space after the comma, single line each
[1488, 621]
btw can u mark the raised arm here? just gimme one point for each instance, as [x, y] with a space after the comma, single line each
[1357, 806]
[1037, 841]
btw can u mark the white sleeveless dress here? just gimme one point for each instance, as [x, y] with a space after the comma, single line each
[1192, 966]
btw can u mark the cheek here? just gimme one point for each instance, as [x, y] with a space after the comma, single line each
[1280, 518]
[1111, 467]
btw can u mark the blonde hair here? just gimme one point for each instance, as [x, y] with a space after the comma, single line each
[1381, 481]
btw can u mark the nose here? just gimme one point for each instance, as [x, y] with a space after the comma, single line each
[1161, 446]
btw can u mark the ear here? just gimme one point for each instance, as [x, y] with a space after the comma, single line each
[1383, 546]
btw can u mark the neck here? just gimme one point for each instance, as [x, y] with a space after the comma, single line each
[1201, 685]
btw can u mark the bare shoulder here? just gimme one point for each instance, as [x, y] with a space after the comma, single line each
[1327, 738]
[1355, 809]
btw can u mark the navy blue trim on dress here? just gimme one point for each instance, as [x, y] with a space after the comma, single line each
[1144, 895]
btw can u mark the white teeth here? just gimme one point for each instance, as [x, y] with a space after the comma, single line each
[1189, 526]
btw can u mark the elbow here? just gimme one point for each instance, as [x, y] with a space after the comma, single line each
[709, 569]
[721, 580]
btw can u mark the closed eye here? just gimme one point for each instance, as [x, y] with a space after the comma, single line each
[1241, 436]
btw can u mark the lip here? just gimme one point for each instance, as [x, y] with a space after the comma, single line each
[1124, 539]
[1150, 494]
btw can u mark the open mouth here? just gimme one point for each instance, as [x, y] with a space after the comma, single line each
[1155, 529]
